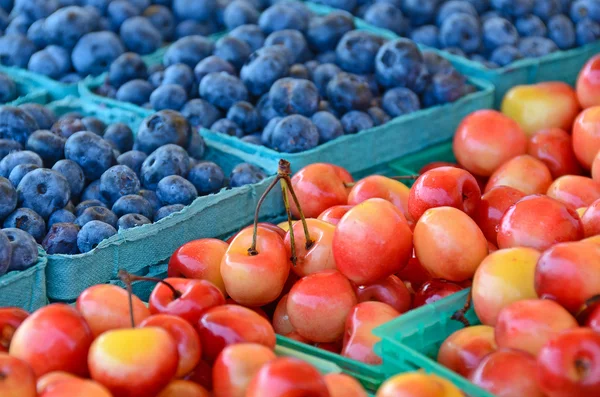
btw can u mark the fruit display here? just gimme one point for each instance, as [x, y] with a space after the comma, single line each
[494, 33]
[68, 182]
[290, 80]
[69, 40]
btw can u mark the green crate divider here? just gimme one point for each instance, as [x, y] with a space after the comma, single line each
[28, 92]
[27, 288]
[135, 249]
[559, 66]
[412, 341]
[413, 162]
[54, 89]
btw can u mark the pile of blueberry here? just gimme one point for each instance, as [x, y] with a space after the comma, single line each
[290, 82]
[493, 32]
[8, 89]
[70, 39]
[70, 182]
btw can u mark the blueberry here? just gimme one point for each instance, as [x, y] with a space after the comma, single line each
[15, 158]
[325, 32]
[8, 198]
[280, 17]
[34, 9]
[328, 126]
[399, 63]
[387, 16]
[587, 31]
[228, 127]
[71, 78]
[254, 139]
[498, 32]
[119, 11]
[167, 210]
[98, 213]
[67, 126]
[262, 69]
[455, 51]
[61, 216]
[175, 189]
[100, 6]
[84, 205]
[505, 55]
[427, 35]
[294, 134]
[294, 96]
[19, 172]
[28, 221]
[462, 31]
[420, 12]
[92, 192]
[141, 4]
[50, 147]
[129, 221]
[292, 40]
[355, 121]
[120, 136]
[323, 74]
[8, 146]
[265, 110]
[222, 89]
[62, 239]
[133, 204]
[164, 161]
[92, 153]
[128, 66]
[194, 28]
[212, 64]
[562, 31]
[92, 234]
[18, 25]
[356, 51]
[140, 36]
[583, 9]
[161, 128]
[15, 50]
[44, 117]
[23, 247]
[445, 87]
[44, 191]
[135, 91]
[246, 174]
[232, 50]
[189, 50]
[530, 25]
[151, 197]
[566, 6]
[435, 63]
[514, 8]
[239, 13]
[8, 89]
[118, 181]
[132, 159]
[192, 9]
[453, 7]
[94, 124]
[245, 116]
[95, 51]
[480, 5]
[310, 67]
[545, 9]
[400, 101]
[163, 20]
[168, 96]
[299, 71]
[267, 132]
[347, 92]
[378, 115]
[180, 74]
[5, 253]
[36, 33]
[16, 124]
[250, 34]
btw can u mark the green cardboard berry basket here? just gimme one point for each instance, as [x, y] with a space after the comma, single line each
[558, 66]
[137, 249]
[412, 341]
[412, 163]
[25, 289]
[27, 91]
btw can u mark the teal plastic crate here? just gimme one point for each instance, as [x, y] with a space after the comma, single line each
[559, 66]
[412, 341]
[136, 249]
[25, 289]
[28, 92]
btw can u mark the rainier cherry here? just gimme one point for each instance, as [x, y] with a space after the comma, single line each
[391, 291]
[378, 186]
[464, 349]
[16, 377]
[418, 384]
[575, 191]
[434, 290]
[10, 319]
[586, 136]
[319, 254]
[342, 385]
[334, 214]
[591, 219]
[588, 83]
[492, 207]
[372, 242]
[554, 148]
[524, 173]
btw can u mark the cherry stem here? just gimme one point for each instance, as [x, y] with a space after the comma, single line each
[459, 315]
[587, 307]
[2, 376]
[288, 182]
[582, 366]
[252, 250]
[288, 212]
